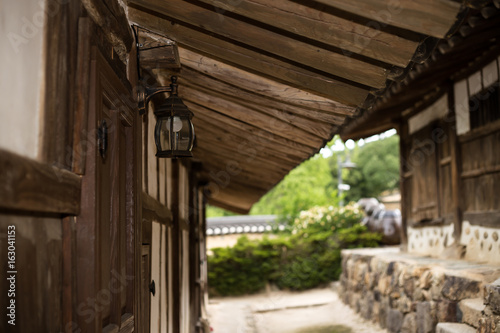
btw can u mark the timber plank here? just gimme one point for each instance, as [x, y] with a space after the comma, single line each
[155, 210]
[271, 124]
[200, 80]
[312, 81]
[208, 142]
[233, 140]
[248, 129]
[260, 85]
[114, 22]
[428, 17]
[326, 28]
[314, 127]
[233, 170]
[281, 45]
[31, 186]
[237, 164]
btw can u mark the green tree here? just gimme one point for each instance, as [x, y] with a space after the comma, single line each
[377, 169]
[308, 185]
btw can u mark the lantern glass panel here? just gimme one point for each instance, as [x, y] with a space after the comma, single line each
[174, 137]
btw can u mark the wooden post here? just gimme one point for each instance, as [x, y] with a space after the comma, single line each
[403, 135]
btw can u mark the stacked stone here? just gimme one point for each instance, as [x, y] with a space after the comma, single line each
[405, 296]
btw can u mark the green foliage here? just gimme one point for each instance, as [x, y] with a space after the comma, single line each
[377, 169]
[213, 211]
[306, 258]
[304, 187]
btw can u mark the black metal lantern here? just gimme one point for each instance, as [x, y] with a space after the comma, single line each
[174, 131]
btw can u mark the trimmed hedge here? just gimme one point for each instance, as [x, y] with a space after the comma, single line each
[304, 259]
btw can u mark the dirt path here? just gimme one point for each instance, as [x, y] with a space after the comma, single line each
[284, 312]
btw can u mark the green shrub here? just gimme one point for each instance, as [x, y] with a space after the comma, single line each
[304, 259]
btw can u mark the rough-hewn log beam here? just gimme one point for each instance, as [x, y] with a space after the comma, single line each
[277, 125]
[276, 69]
[31, 186]
[428, 17]
[324, 27]
[313, 127]
[197, 79]
[238, 140]
[260, 85]
[280, 45]
[247, 129]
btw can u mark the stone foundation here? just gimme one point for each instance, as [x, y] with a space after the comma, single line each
[408, 293]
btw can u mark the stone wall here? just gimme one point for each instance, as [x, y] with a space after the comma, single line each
[408, 293]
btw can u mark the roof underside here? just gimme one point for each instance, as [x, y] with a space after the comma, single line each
[270, 82]
[475, 42]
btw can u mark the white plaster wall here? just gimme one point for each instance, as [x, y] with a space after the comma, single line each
[22, 72]
[482, 243]
[430, 241]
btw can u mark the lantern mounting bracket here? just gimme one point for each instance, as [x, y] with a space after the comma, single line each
[145, 93]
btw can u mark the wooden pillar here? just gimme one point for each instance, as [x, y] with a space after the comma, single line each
[403, 136]
[456, 168]
[176, 250]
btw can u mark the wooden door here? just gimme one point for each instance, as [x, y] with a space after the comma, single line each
[145, 291]
[106, 227]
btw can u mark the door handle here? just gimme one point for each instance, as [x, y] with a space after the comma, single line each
[152, 287]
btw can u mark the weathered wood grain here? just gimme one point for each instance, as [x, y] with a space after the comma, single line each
[429, 17]
[299, 77]
[314, 127]
[31, 186]
[113, 21]
[220, 135]
[281, 45]
[155, 210]
[251, 116]
[321, 118]
[324, 27]
[248, 130]
[251, 82]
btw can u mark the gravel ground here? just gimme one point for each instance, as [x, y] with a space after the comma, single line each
[284, 312]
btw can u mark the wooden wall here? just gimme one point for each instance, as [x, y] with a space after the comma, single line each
[451, 168]
[87, 221]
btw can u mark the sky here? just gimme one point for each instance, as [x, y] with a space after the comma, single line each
[350, 144]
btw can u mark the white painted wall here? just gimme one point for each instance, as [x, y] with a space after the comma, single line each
[430, 241]
[22, 72]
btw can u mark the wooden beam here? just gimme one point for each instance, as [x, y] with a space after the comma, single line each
[280, 45]
[114, 23]
[239, 142]
[226, 206]
[31, 186]
[247, 129]
[324, 27]
[220, 141]
[276, 69]
[235, 196]
[428, 17]
[219, 168]
[315, 127]
[276, 125]
[154, 210]
[198, 79]
[260, 85]
[243, 180]
[239, 164]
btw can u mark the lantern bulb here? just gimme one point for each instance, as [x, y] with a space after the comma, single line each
[177, 125]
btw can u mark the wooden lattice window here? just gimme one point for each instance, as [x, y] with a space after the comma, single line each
[484, 107]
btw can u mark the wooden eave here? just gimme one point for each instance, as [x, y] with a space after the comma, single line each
[474, 42]
[270, 82]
